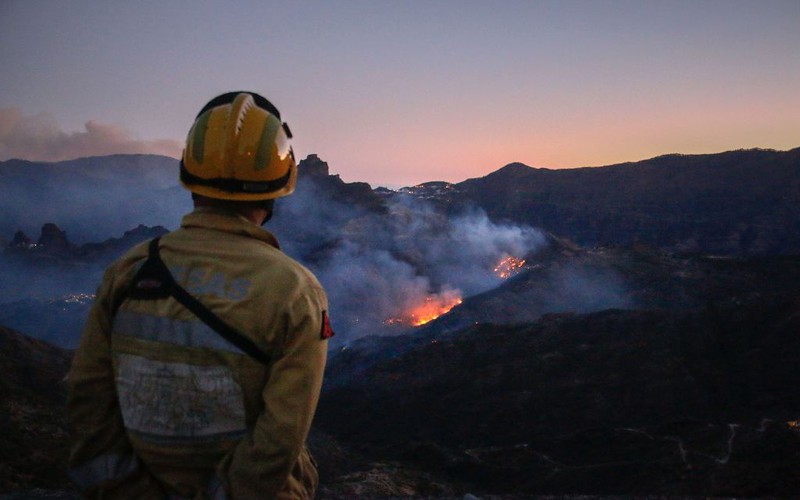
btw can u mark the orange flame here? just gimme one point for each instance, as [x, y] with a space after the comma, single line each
[429, 309]
[508, 266]
[433, 307]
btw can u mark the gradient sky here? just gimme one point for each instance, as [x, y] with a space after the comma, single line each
[400, 92]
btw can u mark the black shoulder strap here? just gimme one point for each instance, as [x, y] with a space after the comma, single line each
[154, 281]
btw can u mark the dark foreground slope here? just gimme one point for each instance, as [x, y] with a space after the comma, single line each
[33, 449]
[701, 402]
[33, 429]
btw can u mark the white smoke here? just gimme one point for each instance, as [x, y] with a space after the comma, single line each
[378, 266]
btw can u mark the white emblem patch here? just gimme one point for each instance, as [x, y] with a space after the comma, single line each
[175, 400]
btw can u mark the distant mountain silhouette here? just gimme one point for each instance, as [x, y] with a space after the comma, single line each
[91, 198]
[743, 202]
[736, 203]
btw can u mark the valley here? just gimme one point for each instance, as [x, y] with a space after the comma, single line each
[628, 330]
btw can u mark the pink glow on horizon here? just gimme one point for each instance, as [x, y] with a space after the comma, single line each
[398, 93]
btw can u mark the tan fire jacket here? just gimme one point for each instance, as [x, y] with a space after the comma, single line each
[162, 406]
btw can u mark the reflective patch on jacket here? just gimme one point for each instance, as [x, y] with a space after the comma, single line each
[191, 333]
[179, 403]
[108, 467]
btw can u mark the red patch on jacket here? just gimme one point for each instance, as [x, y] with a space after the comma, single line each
[327, 331]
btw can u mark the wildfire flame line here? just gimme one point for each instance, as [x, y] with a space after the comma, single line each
[437, 304]
[430, 308]
[508, 267]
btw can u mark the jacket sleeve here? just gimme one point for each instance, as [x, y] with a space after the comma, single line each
[271, 462]
[102, 463]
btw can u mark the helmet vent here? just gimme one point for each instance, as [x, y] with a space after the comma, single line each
[245, 102]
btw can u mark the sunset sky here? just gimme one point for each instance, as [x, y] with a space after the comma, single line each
[400, 92]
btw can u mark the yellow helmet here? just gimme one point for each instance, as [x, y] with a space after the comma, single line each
[238, 149]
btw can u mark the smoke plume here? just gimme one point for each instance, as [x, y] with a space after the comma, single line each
[39, 138]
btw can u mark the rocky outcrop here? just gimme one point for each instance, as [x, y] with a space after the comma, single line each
[54, 240]
[315, 180]
[313, 166]
[53, 243]
[20, 240]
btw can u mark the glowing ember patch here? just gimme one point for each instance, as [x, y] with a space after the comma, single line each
[428, 310]
[509, 266]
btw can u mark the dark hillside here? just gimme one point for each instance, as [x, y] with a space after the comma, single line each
[618, 402]
[585, 280]
[563, 278]
[92, 198]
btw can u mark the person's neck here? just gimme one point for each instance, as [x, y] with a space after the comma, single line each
[256, 215]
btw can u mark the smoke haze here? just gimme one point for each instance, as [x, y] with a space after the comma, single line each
[377, 266]
[92, 199]
[381, 257]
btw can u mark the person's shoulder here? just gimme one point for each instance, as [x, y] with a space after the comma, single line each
[121, 270]
[133, 255]
[291, 267]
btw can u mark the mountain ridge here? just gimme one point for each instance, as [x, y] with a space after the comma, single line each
[735, 203]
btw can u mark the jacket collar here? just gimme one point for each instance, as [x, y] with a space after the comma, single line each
[228, 221]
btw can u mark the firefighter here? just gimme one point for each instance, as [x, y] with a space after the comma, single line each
[200, 367]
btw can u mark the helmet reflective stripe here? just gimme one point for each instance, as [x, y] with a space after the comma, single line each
[239, 149]
[282, 142]
[198, 134]
[267, 143]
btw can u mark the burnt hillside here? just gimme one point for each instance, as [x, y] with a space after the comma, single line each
[699, 402]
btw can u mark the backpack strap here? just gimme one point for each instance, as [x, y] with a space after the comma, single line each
[153, 281]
